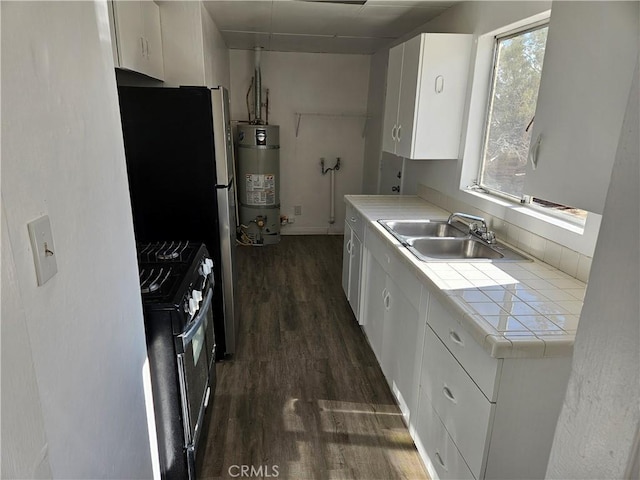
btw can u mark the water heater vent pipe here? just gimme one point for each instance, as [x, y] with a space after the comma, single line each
[333, 170]
[257, 91]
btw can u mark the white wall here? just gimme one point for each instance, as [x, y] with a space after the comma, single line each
[311, 83]
[596, 436]
[73, 350]
[193, 49]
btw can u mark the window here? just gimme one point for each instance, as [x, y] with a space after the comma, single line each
[517, 69]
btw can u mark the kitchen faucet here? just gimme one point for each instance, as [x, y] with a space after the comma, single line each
[479, 231]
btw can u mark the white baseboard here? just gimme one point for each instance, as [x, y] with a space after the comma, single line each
[293, 230]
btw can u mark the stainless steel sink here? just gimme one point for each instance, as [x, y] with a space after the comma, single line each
[442, 241]
[407, 229]
[464, 249]
[451, 249]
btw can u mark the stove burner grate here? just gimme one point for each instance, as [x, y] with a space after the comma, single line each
[152, 278]
[163, 252]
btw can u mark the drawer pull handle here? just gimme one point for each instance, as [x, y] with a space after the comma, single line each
[387, 301]
[349, 246]
[440, 461]
[449, 394]
[456, 338]
[354, 219]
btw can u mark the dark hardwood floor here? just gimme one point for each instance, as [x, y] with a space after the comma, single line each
[304, 397]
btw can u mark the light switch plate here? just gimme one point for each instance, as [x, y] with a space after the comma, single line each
[44, 254]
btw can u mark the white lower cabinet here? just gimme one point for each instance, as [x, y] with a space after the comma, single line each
[464, 410]
[401, 338]
[471, 416]
[392, 322]
[500, 414]
[373, 312]
[352, 268]
[352, 264]
[439, 452]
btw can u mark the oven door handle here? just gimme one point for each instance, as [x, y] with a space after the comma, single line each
[187, 336]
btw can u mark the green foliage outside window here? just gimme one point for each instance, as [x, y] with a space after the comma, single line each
[514, 93]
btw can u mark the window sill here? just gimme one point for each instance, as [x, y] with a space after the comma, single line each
[531, 212]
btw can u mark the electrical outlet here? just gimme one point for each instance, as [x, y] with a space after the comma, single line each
[297, 210]
[43, 249]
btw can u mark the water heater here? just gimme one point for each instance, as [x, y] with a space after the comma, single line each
[259, 182]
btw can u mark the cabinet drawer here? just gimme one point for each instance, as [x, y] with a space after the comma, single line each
[435, 446]
[464, 410]
[406, 280]
[355, 221]
[481, 367]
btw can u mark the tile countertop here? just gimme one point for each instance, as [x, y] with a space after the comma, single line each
[514, 310]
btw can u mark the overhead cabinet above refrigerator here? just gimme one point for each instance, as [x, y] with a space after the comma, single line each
[426, 90]
[136, 38]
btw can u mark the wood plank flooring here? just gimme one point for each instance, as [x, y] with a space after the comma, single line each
[304, 393]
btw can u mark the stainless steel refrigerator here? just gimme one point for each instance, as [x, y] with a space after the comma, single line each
[179, 151]
[227, 213]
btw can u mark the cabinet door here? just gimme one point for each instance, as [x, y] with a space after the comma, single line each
[394, 75]
[442, 90]
[402, 342]
[130, 35]
[411, 63]
[153, 40]
[373, 304]
[591, 52]
[355, 263]
[435, 446]
[346, 259]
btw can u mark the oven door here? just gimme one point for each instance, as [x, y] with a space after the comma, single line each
[193, 371]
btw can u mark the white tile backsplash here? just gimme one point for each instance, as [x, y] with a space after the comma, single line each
[584, 267]
[569, 261]
[550, 252]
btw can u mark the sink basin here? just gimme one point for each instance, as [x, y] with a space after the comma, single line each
[440, 241]
[462, 249]
[451, 249]
[421, 228]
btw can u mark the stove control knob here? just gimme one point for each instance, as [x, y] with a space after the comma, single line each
[193, 306]
[197, 295]
[206, 269]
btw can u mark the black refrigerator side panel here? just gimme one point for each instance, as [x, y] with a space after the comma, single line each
[169, 147]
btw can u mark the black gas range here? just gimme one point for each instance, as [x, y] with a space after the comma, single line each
[177, 286]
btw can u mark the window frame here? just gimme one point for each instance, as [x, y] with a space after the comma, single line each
[529, 27]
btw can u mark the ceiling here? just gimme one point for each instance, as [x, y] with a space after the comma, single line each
[319, 26]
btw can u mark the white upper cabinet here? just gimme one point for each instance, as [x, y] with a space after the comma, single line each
[394, 75]
[153, 40]
[591, 52]
[138, 37]
[426, 90]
